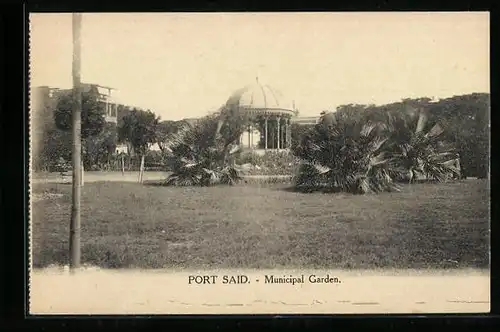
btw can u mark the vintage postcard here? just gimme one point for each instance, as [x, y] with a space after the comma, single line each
[259, 163]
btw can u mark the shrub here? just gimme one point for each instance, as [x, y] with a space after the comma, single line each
[271, 163]
[353, 155]
[248, 157]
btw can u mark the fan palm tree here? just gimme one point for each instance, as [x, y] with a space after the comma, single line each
[354, 154]
[419, 152]
[347, 156]
[203, 154]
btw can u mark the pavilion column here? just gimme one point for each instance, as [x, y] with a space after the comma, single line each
[278, 119]
[283, 135]
[249, 136]
[282, 132]
[265, 133]
[286, 133]
[289, 133]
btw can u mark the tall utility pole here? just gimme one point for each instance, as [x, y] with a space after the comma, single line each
[74, 237]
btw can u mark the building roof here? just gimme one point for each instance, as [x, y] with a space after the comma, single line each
[258, 98]
[88, 85]
[306, 120]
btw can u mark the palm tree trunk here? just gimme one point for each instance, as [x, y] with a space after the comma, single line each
[123, 165]
[422, 120]
[141, 169]
[217, 131]
[412, 177]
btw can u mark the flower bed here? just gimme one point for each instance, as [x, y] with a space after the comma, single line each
[271, 163]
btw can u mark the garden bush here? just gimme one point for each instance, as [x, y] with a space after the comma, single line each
[270, 163]
[351, 154]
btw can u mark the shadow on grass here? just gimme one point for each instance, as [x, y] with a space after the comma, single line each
[326, 189]
[243, 182]
[309, 189]
[281, 184]
[156, 183]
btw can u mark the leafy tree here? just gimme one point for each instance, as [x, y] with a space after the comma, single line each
[100, 148]
[139, 129]
[351, 111]
[43, 130]
[464, 119]
[231, 123]
[92, 119]
[121, 112]
[93, 113]
[56, 144]
[165, 130]
[298, 132]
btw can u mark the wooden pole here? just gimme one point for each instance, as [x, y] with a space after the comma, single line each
[279, 136]
[249, 136]
[141, 169]
[139, 177]
[123, 165]
[74, 238]
[265, 133]
[286, 134]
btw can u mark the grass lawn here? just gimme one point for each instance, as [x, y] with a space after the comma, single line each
[252, 226]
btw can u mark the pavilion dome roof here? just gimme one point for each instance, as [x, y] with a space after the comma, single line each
[260, 98]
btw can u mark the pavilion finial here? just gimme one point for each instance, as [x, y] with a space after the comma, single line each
[257, 79]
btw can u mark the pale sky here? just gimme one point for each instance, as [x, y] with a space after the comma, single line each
[187, 64]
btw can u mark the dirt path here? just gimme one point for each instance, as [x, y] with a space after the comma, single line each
[119, 177]
[99, 176]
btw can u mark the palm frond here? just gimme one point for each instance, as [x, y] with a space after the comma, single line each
[229, 176]
[309, 176]
[234, 149]
[321, 169]
[436, 130]
[368, 129]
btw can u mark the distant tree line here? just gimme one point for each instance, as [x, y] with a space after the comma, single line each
[136, 128]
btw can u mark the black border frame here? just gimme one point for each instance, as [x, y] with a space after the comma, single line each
[13, 39]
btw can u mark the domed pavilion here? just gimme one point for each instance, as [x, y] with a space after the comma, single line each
[269, 116]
